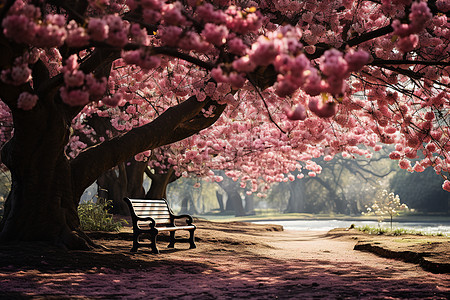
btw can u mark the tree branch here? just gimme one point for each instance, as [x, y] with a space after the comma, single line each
[176, 123]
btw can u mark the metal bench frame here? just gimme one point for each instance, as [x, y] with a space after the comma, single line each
[153, 216]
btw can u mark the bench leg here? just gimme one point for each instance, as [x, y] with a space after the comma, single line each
[153, 242]
[191, 239]
[172, 240]
[135, 243]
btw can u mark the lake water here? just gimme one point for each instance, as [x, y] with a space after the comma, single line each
[325, 225]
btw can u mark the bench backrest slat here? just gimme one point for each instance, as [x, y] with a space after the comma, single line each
[157, 209]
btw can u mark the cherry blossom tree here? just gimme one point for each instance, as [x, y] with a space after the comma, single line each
[315, 78]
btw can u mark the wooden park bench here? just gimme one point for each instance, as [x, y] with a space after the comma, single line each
[153, 216]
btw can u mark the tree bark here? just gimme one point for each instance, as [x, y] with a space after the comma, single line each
[41, 204]
[296, 202]
[158, 187]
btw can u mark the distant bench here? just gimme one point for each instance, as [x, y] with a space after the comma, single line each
[153, 216]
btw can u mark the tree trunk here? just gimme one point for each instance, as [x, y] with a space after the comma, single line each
[113, 184]
[249, 204]
[234, 203]
[296, 203]
[41, 204]
[220, 200]
[158, 187]
[188, 206]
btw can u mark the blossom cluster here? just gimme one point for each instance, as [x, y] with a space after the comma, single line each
[79, 89]
[339, 78]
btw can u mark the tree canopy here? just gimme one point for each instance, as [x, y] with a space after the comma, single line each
[293, 80]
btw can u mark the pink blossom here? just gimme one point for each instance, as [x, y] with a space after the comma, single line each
[170, 35]
[263, 52]
[404, 164]
[237, 46]
[192, 41]
[418, 168]
[237, 80]
[356, 59]
[74, 97]
[443, 5]
[446, 185]
[314, 85]
[27, 101]
[74, 79]
[71, 64]
[332, 63]
[114, 100]
[420, 14]
[299, 113]
[19, 28]
[118, 29]
[243, 64]
[408, 43]
[96, 87]
[323, 110]
[151, 16]
[76, 36]
[395, 155]
[98, 29]
[215, 34]
[171, 14]
[285, 87]
[17, 75]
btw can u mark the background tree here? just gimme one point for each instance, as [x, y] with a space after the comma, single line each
[420, 191]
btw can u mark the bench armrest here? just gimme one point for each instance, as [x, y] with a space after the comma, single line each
[189, 219]
[152, 221]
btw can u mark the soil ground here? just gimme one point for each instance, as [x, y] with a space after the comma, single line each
[233, 260]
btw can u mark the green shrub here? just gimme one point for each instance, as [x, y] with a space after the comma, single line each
[95, 217]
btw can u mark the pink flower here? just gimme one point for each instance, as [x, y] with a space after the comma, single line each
[446, 185]
[74, 79]
[96, 87]
[408, 43]
[151, 16]
[171, 14]
[118, 29]
[237, 46]
[27, 101]
[443, 5]
[98, 29]
[243, 64]
[420, 14]
[323, 110]
[356, 59]
[76, 36]
[404, 164]
[263, 52]
[114, 100]
[19, 28]
[215, 34]
[394, 155]
[74, 97]
[170, 35]
[20, 74]
[299, 113]
[418, 168]
[333, 64]
[314, 85]
[285, 87]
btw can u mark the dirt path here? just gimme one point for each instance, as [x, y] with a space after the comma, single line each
[232, 261]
